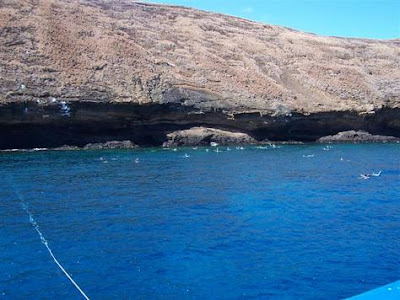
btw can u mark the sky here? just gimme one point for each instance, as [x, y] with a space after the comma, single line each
[378, 19]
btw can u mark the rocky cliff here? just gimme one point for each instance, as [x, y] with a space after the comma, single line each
[84, 71]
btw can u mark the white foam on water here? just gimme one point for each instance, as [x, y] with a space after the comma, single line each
[46, 243]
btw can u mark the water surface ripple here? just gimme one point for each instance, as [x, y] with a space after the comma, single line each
[288, 222]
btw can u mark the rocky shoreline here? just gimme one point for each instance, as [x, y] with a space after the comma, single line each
[200, 136]
[88, 72]
[31, 125]
[110, 145]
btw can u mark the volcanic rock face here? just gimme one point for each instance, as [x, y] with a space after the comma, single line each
[86, 71]
[205, 136]
[356, 137]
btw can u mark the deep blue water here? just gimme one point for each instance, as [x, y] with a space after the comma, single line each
[252, 223]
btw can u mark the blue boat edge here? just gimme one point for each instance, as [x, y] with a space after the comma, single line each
[386, 292]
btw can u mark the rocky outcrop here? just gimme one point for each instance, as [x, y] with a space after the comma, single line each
[90, 71]
[352, 136]
[110, 145]
[66, 148]
[201, 136]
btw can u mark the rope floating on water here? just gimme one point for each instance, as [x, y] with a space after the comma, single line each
[46, 244]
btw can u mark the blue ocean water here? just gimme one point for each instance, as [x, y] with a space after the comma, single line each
[288, 222]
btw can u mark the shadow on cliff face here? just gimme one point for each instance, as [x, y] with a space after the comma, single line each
[30, 125]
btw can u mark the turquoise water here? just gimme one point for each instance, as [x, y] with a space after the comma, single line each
[289, 222]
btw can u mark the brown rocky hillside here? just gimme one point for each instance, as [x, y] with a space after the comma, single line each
[80, 63]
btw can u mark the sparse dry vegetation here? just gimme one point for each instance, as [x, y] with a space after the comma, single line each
[137, 52]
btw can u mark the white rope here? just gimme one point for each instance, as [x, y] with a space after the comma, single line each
[44, 241]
